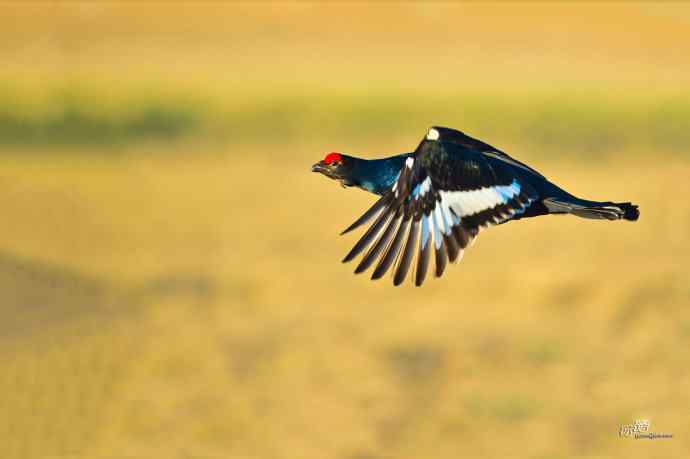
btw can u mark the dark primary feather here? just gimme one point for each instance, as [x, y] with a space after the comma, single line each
[423, 256]
[392, 252]
[452, 247]
[381, 243]
[370, 234]
[380, 204]
[407, 254]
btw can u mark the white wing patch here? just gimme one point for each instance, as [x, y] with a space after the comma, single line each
[425, 186]
[466, 203]
[448, 211]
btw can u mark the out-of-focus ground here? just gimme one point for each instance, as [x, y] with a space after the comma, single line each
[170, 283]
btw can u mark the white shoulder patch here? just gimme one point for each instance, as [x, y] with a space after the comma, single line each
[409, 162]
[432, 134]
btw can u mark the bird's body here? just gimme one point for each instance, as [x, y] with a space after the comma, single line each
[443, 194]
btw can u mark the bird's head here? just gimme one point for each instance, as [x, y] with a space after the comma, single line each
[336, 166]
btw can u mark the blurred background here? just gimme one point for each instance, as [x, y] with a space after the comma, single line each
[170, 276]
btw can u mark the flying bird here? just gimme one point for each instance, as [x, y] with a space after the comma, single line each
[439, 197]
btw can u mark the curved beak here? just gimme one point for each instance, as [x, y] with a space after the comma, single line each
[319, 167]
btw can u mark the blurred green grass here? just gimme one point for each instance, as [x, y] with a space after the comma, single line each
[588, 123]
[68, 117]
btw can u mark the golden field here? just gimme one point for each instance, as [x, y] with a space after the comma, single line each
[170, 283]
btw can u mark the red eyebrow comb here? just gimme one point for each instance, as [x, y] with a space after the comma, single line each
[332, 157]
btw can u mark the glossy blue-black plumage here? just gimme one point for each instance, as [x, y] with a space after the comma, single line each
[375, 175]
[439, 197]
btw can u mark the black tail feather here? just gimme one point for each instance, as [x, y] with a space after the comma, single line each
[632, 212]
[595, 210]
[610, 211]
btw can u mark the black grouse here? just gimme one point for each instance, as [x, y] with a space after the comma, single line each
[442, 195]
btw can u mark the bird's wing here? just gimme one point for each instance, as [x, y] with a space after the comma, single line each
[463, 140]
[444, 196]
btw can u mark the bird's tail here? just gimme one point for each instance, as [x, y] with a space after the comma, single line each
[593, 209]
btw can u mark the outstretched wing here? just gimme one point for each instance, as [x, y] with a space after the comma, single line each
[445, 194]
